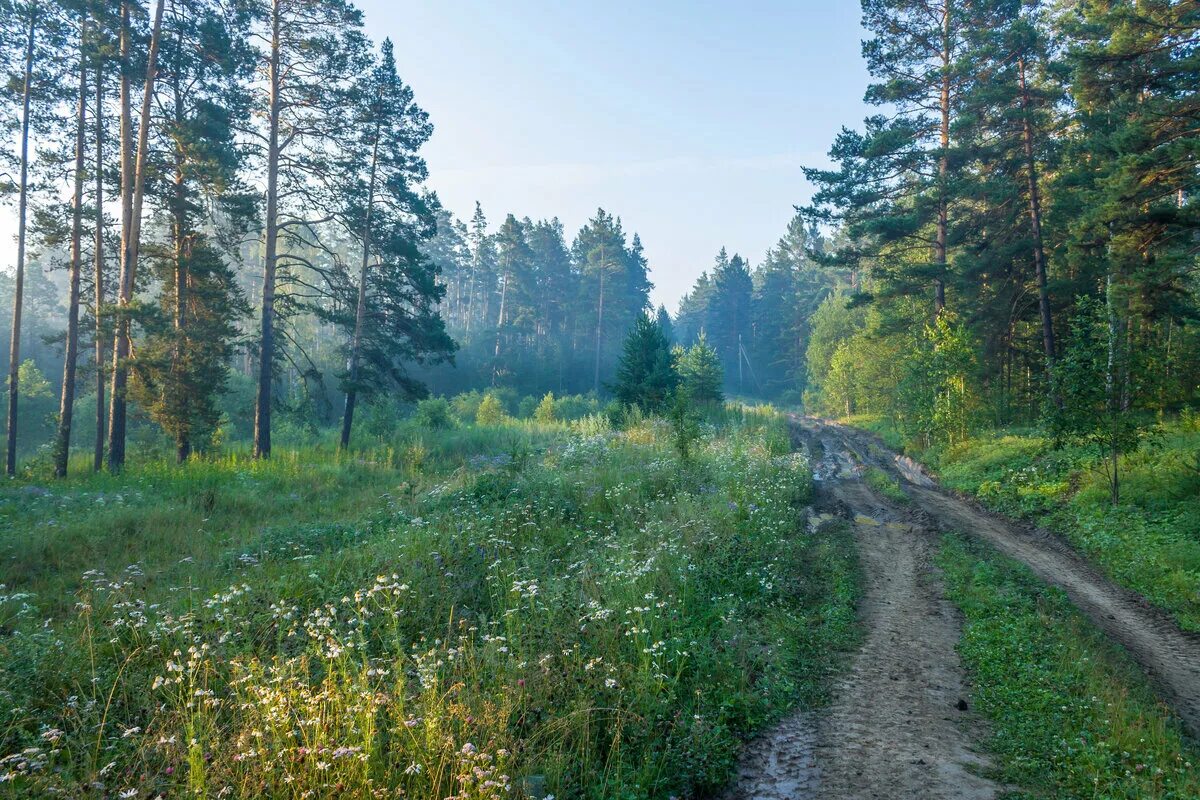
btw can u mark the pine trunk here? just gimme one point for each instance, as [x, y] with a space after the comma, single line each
[943, 165]
[66, 409]
[14, 350]
[360, 311]
[131, 236]
[599, 326]
[99, 343]
[262, 405]
[500, 324]
[181, 234]
[1035, 222]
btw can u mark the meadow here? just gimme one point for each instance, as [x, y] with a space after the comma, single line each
[516, 608]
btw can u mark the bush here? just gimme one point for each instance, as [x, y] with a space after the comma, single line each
[700, 372]
[527, 407]
[490, 411]
[434, 413]
[545, 409]
[575, 407]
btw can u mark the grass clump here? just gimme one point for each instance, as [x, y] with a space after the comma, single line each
[886, 485]
[1071, 716]
[524, 609]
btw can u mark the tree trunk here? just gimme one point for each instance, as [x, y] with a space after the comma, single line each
[599, 324]
[1110, 385]
[262, 405]
[500, 323]
[1035, 222]
[131, 237]
[66, 409]
[99, 343]
[181, 234]
[939, 284]
[360, 311]
[14, 350]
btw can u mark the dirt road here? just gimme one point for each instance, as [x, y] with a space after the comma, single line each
[1170, 656]
[898, 725]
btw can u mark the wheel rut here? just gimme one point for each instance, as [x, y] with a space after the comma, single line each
[898, 725]
[1169, 655]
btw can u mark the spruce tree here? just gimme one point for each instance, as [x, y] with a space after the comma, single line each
[700, 373]
[645, 373]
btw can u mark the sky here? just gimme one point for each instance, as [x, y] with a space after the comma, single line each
[689, 119]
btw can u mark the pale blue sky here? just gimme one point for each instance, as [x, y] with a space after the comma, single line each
[690, 120]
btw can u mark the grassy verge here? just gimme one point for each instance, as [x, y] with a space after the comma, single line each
[1150, 543]
[1071, 715]
[479, 612]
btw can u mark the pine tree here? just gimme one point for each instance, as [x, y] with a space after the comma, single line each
[615, 284]
[32, 37]
[896, 182]
[314, 51]
[728, 316]
[394, 129]
[62, 442]
[515, 268]
[181, 366]
[663, 318]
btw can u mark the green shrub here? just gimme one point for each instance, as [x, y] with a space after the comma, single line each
[490, 411]
[434, 413]
[545, 409]
[527, 407]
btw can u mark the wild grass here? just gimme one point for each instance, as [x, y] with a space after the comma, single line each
[511, 610]
[1070, 715]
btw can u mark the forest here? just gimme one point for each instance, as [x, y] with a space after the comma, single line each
[316, 488]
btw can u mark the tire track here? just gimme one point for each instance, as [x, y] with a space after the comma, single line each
[897, 725]
[1169, 655]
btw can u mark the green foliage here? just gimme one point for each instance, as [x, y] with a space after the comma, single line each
[33, 384]
[434, 413]
[1147, 544]
[1096, 383]
[544, 412]
[646, 376]
[457, 616]
[937, 393]
[1071, 715]
[685, 424]
[490, 411]
[700, 373]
